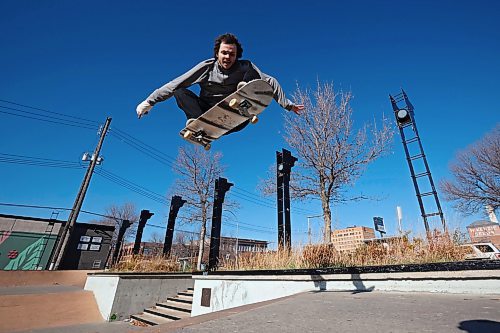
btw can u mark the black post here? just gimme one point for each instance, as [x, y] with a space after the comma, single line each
[121, 233]
[175, 204]
[288, 163]
[145, 216]
[279, 193]
[221, 187]
[286, 203]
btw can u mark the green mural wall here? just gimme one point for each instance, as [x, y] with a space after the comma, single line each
[25, 251]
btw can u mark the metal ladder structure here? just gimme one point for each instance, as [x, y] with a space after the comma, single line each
[417, 161]
[46, 238]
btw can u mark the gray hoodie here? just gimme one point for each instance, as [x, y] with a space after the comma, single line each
[216, 83]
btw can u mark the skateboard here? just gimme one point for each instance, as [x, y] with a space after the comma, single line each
[244, 104]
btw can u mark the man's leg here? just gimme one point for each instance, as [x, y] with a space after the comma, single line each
[190, 103]
[194, 107]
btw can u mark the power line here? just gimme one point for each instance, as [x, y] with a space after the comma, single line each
[37, 161]
[56, 208]
[47, 111]
[132, 186]
[41, 117]
[143, 147]
[127, 139]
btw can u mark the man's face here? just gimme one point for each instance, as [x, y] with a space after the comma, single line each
[227, 55]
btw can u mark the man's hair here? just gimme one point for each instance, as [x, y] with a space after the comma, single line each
[228, 39]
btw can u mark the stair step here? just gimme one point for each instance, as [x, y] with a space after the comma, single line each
[181, 298]
[151, 319]
[167, 313]
[176, 306]
[188, 293]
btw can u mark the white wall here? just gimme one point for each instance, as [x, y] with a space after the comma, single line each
[232, 291]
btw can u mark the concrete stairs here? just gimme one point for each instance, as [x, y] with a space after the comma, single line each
[175, 308]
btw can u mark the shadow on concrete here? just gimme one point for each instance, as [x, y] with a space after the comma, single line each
[360, 286]
[479, 326]
[320, 284]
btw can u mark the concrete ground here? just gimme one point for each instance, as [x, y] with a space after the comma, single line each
[330, 311]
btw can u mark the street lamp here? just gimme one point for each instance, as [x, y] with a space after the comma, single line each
[309, 225]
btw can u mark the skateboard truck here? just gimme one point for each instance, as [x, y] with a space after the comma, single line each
[198, 136]
[242, 108]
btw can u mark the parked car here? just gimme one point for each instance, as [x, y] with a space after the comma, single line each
[480, 251]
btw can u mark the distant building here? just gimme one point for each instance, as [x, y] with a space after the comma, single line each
[229, 247]
[484, 231]
[27, 243]
[349, 239]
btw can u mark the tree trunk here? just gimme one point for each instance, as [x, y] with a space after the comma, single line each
[327, 217]
[203, 232]
[201, 249]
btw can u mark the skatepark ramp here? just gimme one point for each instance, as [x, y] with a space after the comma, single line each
[43, 299]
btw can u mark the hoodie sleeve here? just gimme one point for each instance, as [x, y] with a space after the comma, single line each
[278, 93]
[194, 75]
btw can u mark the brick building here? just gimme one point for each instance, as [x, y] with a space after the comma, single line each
[229, 247]
[349, 239]
[484, 231]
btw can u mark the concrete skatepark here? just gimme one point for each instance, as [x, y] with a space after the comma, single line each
[57, 302]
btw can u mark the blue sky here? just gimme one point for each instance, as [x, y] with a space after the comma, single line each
[99, 59]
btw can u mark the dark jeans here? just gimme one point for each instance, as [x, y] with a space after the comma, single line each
[194, 107]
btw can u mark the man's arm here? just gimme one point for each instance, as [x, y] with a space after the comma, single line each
[194, 75]
[279, 94]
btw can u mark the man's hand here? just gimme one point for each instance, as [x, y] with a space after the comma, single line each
[297, 108]
[143, 109]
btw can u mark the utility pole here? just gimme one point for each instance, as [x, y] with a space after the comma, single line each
[309, 234]
[68, 228]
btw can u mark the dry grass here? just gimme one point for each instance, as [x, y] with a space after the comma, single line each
[436, 248]
[147, 264]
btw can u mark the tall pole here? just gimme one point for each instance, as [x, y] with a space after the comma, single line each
[175, 204]
[221, 187]
[62, 244]
[279, 199]
[143, 219]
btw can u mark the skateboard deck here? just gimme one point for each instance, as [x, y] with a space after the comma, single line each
[242, 105]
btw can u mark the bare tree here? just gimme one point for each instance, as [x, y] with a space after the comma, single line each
[127, 211]
[476, 173]
[197, 170]
[332, 155]
[156, 237]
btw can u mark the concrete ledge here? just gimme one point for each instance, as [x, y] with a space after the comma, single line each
[225, 290]
[119, 295]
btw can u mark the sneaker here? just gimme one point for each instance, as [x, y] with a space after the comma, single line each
[189, 121]
[241, 84]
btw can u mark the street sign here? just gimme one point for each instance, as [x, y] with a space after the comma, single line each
[379, 224]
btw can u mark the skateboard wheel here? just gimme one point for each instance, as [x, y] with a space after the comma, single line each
[233, 103]
[208, 146]
[254, 119]
[188, 134]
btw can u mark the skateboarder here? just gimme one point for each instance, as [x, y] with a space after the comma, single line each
[218, 77]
